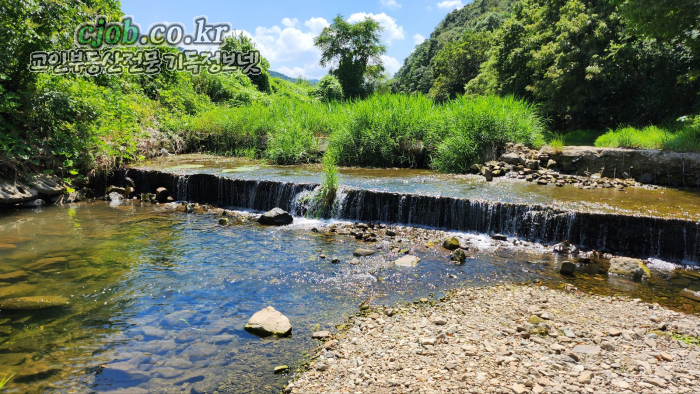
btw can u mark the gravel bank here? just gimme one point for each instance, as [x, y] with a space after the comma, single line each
[511, 339]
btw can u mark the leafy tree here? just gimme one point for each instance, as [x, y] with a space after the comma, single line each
[242, 43]
[459, 62]
[29, 26]
[417, 73]
[671, 21]
[354, 50]
[579, 60]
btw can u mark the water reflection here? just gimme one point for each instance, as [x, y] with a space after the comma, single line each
[158, 300]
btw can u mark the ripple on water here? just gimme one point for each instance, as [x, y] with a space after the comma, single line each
[158, 300]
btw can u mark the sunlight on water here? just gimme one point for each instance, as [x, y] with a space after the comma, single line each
[143, 299]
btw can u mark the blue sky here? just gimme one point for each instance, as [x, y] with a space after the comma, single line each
[284, 30]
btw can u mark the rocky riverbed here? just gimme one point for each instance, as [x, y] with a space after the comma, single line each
[511, 339]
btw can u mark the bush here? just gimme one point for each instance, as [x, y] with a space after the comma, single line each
[472, 129]
[383, 131]
[328, 89]
[234, 89]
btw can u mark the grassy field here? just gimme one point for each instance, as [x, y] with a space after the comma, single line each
[678, 137]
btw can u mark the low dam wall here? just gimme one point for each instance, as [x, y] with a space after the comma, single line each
[628, 235]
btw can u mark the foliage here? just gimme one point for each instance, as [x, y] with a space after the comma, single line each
[234, 89]
[354, 50]
[677, 136]
[473, 129]
[585, 137]
[418, 73]
[328, 89]
[578, 60]
[459, 62]
[671, 21]
[383, 130]
[329, 186]
[242, 43]
[589, 64]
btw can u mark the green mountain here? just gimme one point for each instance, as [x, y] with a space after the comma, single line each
[275, 74]
[416, 74]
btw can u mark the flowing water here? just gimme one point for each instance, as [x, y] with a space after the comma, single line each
[648, 201]
[147, 299]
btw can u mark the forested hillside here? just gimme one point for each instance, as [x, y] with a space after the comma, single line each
[416, 74]
[586, 63]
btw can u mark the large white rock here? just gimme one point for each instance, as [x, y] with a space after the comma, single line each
[407, 261]
[269, 322]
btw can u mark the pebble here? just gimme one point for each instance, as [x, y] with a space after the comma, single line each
[475, 342]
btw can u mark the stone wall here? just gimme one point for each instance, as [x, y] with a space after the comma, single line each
[646, 166]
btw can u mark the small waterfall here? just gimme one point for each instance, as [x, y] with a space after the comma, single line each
[668, 239]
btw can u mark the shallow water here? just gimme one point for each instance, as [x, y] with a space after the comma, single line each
[659, 202]
[158, 299]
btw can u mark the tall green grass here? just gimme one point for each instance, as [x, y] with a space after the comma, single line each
[677, 136]
[381, 131]
[471, 129]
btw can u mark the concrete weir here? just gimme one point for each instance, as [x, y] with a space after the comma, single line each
[628, 235]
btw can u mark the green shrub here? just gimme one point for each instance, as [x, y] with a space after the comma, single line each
[234, 89]
[328, 89]
[476, 128]
[383, 131]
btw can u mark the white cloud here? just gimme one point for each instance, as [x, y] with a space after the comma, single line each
[391, 32]
[391, 64]
[391, 4]
[450, 4]
[316, 25]
[290, 22]
[290, 48]
[418, 39]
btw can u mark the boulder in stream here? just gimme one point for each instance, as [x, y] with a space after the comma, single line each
[276, 217]
[451, 243]
[567, 268]
[407, 261]
[269, 322]
[458, 255]
[162, 194]
[626, 266]
[361, 252]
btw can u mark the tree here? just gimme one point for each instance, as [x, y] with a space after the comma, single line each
[354, 50]
[459, 62]
[671, 21]
[582, 63]
[242, 43]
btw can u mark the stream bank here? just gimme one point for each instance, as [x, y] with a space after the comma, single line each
[511, 339]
